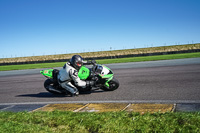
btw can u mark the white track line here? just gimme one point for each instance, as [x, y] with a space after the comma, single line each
[7, 107]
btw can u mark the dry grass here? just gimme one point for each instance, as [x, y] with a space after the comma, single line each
[104, 53]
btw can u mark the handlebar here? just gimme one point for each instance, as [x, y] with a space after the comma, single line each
[93, 62]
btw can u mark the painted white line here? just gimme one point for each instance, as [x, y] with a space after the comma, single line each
[126, 107]
[8, 107]
[81, 108]
[121, 101]
[174, 108]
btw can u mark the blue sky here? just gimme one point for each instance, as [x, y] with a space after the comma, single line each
[45, 27]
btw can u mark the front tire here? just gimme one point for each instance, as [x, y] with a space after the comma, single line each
[113, 85]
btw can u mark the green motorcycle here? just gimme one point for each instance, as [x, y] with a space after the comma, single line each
[104, 75]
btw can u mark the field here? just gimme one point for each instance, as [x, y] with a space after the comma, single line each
[109, 122]
[104, 61]
[104, 53]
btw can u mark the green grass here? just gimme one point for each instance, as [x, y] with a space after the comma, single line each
[150, 58]
[104, 61]
[109, 122]
[30, 66]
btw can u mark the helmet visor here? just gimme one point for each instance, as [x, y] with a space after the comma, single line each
[79, 63]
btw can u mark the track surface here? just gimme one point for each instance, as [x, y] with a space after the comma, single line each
[170, 81]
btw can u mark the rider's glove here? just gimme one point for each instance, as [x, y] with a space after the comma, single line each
[93, 62]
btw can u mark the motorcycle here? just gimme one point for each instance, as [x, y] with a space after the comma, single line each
[100, 73]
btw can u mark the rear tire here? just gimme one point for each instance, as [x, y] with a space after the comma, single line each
[47, 83]
[113, 85]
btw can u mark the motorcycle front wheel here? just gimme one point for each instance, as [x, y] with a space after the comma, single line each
[113, 85]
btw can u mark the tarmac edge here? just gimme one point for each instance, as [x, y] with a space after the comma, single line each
[103, 107]
[109, 107]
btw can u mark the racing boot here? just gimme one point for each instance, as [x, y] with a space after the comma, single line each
[75, 94]
[53, 90]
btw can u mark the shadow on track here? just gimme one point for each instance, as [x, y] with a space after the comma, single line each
[50, 95]
[42, 95]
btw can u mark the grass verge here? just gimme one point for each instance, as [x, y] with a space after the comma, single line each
[110, 122]
[104, 61]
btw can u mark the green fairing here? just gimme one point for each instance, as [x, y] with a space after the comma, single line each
[83, 73]
[111, 77]
[106, 76]
[48, 73]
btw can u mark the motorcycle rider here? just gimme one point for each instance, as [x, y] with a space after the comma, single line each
[69, 75]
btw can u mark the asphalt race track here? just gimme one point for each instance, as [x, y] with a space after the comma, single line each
[170, 81]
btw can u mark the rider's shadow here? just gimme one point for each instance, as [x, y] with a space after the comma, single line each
[41, 95]
[50, 95]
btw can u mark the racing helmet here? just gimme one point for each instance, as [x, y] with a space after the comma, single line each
[76, 61]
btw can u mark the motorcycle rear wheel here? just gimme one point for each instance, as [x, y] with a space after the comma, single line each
[113, 85]
[46, 85]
